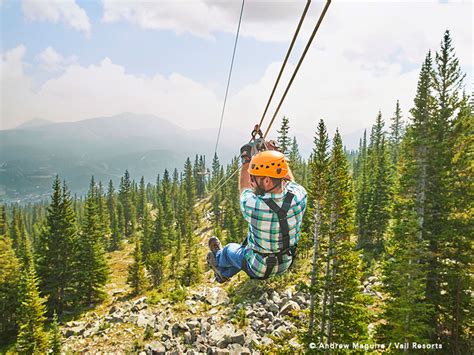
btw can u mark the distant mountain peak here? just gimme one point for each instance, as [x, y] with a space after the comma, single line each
[35, 122]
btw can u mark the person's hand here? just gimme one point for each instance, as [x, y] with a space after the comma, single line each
[246, 153]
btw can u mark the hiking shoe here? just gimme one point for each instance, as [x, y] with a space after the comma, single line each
[214, 245]
[212, 262]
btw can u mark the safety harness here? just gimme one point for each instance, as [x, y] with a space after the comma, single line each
[273, 259]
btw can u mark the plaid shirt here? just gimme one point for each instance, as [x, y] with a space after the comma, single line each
[264, 229]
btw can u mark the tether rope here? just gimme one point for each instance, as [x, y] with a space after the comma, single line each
[285, 60]
[321, 17]
[230, 75]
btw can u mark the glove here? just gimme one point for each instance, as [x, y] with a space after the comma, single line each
[246, 153]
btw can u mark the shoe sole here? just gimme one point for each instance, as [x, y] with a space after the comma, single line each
[219, 277]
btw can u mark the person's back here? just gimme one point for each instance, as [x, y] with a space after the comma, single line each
[264, 233]
[273, 205]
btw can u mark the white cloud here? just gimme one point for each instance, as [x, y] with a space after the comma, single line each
[51, 60]
[100, 90]
[349, 97]
[65, 11]
[377, 30]
[363, 60]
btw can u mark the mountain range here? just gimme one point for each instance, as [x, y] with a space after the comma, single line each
[34, 152]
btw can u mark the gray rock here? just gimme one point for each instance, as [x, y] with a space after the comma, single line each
[272, 307]
[266, 341]
[289, 307]
[133, 318]
[74, 331]
[278, 332]
[179, 328]
[237, 349]
[293, 342]
[216, 296]
[115, 318]
[155, 348]
[276, 297]
[252, 341]
[301, 300]
[250, 313]
[188, 338]
[118, 291]
[256, 325]
[113, 309]
[142, 321]
[193, 324]
[270, 316]
[139, 304]
[238, 337]
[225, 335]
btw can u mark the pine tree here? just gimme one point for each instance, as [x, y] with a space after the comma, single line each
[284, 141]
[142, 200]
[345, 315]
[408, 311]
[136, 271]
[165, 199]
[159, 243]
[19, 235]
[127, 198]
[104, 218]
[396, 134]
[55, 254]
[116, 236]
[144, 219]
[216, 179]
[32, 338]
[296, 162]
[9, 281]
[56, 340]
[458, 249]
[362, 194]
[93, 272]
[155, 267]
[380, 189]
[447, 255]
[319, 165]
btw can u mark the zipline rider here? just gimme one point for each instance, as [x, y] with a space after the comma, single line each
[273, 204]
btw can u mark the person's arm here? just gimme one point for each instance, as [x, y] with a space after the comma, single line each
[244, 182]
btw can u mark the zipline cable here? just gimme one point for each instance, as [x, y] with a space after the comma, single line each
[230, 75]
[286, 59]
[321, 17]
[226, 180]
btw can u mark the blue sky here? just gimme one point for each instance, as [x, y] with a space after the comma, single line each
[72, 60]
[143, 51]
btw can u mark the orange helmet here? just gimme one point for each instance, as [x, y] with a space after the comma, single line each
[269, 163]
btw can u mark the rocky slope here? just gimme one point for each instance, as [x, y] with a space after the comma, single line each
[205, 322]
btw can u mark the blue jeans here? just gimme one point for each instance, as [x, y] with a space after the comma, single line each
[229, 259]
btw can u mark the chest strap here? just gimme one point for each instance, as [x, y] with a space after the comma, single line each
[272, 259]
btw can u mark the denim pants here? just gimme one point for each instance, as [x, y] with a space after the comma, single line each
[229, 259]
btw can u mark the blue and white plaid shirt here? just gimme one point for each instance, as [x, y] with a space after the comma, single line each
[264, 229]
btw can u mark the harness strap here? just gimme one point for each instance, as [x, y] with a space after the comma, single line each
[272, 259]
[282, 212]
